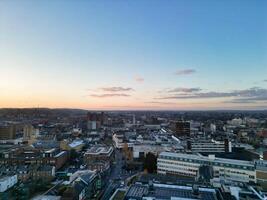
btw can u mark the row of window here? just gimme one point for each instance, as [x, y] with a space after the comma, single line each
[204, 162]
[162, 171]
[178, 168]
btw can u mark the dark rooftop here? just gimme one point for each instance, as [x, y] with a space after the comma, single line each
[163, 191]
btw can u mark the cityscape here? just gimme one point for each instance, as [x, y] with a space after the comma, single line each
[79, 154]
[133, 100]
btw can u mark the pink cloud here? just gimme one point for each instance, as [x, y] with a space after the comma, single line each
[139, 79]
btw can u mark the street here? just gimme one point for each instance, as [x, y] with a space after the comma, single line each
[117, 176]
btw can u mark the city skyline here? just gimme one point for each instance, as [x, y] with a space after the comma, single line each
[184, 55]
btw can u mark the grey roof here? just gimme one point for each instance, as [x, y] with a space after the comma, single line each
[79, 186]
[165, 192]
[205, 158]
[137, 191]
[88, 177]
[46, 197]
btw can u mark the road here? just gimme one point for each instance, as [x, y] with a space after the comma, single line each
[116, 177]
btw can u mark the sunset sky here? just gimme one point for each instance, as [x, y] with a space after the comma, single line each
[124, 54]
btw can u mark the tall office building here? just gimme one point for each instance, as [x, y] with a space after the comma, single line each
[30, 133]
[7, 132]
[181, 128]
[134, 120]
[95, 120]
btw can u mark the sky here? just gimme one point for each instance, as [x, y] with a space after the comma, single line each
[133, 55]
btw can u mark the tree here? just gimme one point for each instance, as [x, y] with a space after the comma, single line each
[150, 163]
[73, 154]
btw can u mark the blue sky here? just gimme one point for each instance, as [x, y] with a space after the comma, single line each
[74, 53]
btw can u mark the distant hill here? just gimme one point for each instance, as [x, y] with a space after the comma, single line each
[41, 111]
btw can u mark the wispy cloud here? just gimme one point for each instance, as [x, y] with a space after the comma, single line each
[109, 95]
[262, 98]
[139, 79]
[116, 89]
[185, 72]
[248, 95]
[185, 90]
[265, 80]
[106, 92]
[160, 102]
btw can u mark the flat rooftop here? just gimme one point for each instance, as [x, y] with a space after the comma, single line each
[99, 150]
[60, 154]
[76, 143]
[164, 191]
[46, 197]
[4, 178]
[206, 158]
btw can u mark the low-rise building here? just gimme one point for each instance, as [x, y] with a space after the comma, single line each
[189, 164]
[99, 158]
[261, 171]
[76, 145]
[7, 182]
[118, 140]
[100, 166]
[209, 146]
[158, 191]
[97, 153]
[140, 150]
[83, 184]
[46, 197]
[60, 159]
[45, 172]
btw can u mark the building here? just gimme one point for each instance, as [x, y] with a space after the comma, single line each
[60, 159]
[76, 145]
[7, 182]
[140, 150]
[30, 133]
[44, 172]
[84, 184]
[95, 120]
[209, 146]
[118, 140]
[99, 158]
[265, 155]
[181, 128]
[261, 171]
[7, 132]
[189, 164]
[213, 128]
[245, 193]
[97, 153]
[46, 197]
[76, 132]
[158, 191]
[235, 122]
[99, 166]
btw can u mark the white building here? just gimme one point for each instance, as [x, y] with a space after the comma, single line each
[141, 150]
[235, 122]
[7, 182]
[99, 151]
[213, 128]
[118, 140]
[209, 146]
[30, 132]
[188, 165]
